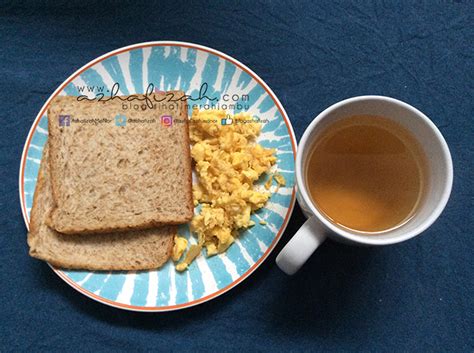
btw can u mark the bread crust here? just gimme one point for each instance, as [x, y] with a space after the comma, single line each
[187, 148]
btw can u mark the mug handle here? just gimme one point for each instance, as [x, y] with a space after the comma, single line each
[298, 250]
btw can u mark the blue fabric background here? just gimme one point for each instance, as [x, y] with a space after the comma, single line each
[415, 296]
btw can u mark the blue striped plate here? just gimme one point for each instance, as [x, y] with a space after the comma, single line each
[179, 66]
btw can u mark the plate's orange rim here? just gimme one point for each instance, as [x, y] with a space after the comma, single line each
[244, 68]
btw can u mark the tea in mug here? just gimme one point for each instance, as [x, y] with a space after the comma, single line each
[366, 173]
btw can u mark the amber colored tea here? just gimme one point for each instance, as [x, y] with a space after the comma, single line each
[366, 173]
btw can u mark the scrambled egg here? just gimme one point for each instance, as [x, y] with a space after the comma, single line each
[180, 245]
[280, 179]
[192, 253]
[228, 162]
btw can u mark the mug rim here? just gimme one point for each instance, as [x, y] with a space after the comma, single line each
[357, 236]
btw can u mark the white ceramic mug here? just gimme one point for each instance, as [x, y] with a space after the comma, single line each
[440, 168]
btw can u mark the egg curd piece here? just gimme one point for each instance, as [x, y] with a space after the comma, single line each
[192, 253]
[179, 247]
[228, 162]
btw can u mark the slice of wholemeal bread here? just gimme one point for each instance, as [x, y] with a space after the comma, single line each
[117, 175]
[133, 250]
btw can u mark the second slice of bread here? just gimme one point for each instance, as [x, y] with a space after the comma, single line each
[109, 176]
[134, 250]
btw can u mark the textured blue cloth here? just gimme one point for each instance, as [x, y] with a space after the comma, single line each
[415, 296]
